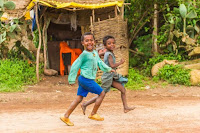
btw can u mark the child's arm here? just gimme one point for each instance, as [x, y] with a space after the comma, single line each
[74, 69]
[103, 66]
[112, 64]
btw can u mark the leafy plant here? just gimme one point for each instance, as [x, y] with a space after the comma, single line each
[18, 51]
[146, 70]
[135, 80]
[142, 45]
[14, 74]
[6, 29]
[181, 29]
[175, 74]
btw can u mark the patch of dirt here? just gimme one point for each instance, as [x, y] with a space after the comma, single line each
[162, 109]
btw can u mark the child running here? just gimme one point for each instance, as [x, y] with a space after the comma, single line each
[111, 79]
[87, 62]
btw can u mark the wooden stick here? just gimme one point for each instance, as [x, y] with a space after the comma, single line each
[40, 41]
[122, 12]
[44, 42]
[93, 15]
[91, 24]
[136, 52]
[115, 11]
[118, 9]
[127, 4]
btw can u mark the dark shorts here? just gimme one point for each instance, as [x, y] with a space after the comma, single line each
[87, 85]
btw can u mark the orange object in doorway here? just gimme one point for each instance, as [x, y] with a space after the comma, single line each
[64, 48]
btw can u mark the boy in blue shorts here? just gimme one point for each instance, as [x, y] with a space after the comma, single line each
[87, 62]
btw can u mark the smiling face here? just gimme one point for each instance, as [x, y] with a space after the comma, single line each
[88, 42]
[110, 44]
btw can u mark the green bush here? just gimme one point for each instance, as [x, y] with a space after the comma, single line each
[142, 45]
[175, 74]
[147, 66]
[14, 74]
[135, 80]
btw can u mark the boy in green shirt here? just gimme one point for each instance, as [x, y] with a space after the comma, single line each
[87, 62]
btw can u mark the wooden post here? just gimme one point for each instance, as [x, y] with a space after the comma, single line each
[45, 41]
[122, 11]
[93, 15]
[91, 24]
[40, 41]
[116, 11]
[155, 30]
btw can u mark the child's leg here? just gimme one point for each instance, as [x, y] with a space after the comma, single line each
[119, 86]
[98, 102]
[73, 106]
[85, 104]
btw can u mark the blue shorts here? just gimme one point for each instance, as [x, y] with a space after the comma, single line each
[87, 85]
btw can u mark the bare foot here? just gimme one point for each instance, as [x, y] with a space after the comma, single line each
[126, 110]
[83, 108]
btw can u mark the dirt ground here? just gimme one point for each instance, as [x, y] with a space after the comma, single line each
[171, 109]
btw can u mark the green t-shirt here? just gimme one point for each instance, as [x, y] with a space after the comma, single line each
[87, 62]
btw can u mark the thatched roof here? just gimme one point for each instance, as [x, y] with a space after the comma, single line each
[23, 6]
[82, 4]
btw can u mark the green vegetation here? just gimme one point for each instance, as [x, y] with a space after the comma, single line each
[175, 74]
[135, 80]
[14, 74]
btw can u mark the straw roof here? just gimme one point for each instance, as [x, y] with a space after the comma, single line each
[21, 4]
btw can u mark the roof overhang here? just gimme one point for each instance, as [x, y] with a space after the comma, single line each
[72, 5]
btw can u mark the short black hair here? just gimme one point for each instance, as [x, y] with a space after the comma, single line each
[85, 34]
[106, 38]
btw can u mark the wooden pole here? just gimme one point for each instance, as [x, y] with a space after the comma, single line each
[93, 15]
[91, 24]
[45, 41]
[115, 11]
[40, 41]
[122, 12]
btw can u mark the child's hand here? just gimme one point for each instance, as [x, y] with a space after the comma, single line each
[113, 70]
[122, 61]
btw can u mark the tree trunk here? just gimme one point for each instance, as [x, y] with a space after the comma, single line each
[155, 30]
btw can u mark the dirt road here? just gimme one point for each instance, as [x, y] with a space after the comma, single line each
[172, 109]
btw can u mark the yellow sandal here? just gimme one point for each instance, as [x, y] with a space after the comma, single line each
[96, 117]
[66, 121]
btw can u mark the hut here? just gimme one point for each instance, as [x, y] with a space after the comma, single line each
[67, 20]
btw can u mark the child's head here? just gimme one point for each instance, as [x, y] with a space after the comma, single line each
[87, 41]
[109, 42]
